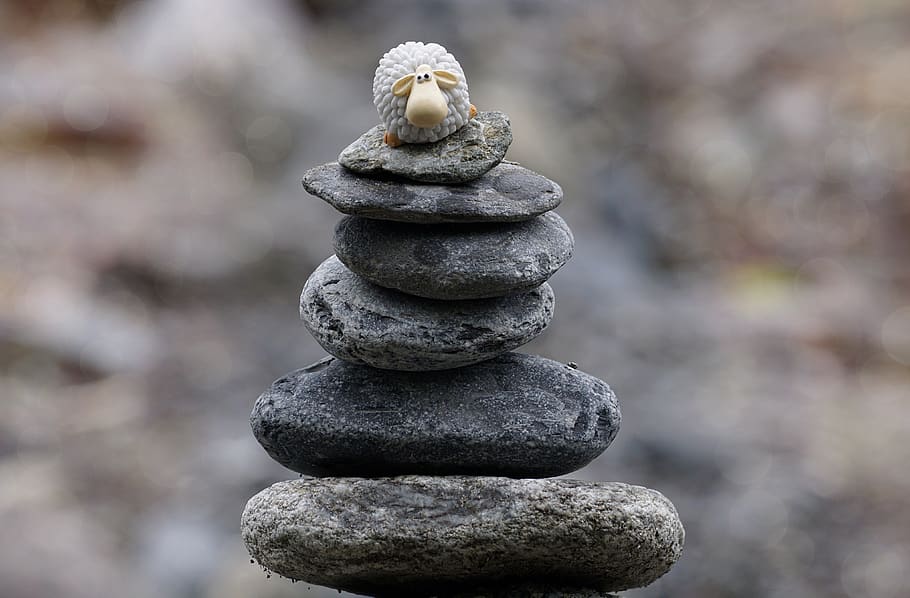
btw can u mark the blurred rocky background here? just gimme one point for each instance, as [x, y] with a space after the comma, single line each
[737, 175]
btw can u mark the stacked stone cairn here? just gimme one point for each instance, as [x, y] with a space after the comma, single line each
[424, 442]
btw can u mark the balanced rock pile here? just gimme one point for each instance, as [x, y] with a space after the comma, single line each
[424, 440]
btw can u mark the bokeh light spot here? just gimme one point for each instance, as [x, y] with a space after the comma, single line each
[875, 571]
[234, 169]
[268, 138]
[85, 108]
[896, 335]
[725, 165]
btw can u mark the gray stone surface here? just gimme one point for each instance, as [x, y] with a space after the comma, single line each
[360, 322]
[455, 261]
[516, 415]
[508, 193]
[461, 157]
[519, 590]
[436, 534]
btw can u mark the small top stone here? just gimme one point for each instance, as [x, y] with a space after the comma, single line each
[463, 156]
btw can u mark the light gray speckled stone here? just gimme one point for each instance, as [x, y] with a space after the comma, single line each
[461, 157]
[508, 193]
[455, 261]
[516, 415]
[360, 322]
[429, 534]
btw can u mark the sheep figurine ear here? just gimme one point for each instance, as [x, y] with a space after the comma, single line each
[445, 79]
[402, 87]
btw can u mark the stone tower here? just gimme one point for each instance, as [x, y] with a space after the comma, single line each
[425, 442]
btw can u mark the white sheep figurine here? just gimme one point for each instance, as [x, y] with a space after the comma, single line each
[421, 94]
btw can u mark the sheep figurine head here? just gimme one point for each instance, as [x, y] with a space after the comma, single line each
[421, 94]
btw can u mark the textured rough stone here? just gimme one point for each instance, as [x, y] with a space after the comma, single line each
[455, 261]
[360, 322]
[463, 156]
[508, 193]
[412, 534]
[516, 415]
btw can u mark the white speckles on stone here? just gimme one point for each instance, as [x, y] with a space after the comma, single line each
[445, 533]
[360, 322]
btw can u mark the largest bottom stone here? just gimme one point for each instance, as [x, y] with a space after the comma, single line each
[414, 535]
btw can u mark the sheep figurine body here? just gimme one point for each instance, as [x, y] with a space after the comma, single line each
[421, 94]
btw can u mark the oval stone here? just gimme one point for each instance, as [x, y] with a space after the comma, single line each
[516, 415]
[508, 193]
[527, 590]
[463, 156]
[455, 261]
[417, 535]
[360, 322]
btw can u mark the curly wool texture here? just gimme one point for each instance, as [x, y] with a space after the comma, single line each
[403, 60]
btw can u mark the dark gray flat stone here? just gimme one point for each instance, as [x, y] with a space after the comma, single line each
[431, 535]
[360, 322]
[455, 261]
[516, 415]
[518, 590]
[463, 156]
[508, 193]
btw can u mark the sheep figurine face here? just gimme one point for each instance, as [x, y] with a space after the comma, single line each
[421, 94]
[426, 105]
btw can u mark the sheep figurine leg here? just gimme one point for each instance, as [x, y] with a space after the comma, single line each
[391, 139]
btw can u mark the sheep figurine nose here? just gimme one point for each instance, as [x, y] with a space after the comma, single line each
[426, 104]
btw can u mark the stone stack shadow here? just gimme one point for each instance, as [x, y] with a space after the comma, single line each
[424, 439]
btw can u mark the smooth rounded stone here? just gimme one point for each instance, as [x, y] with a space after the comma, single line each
[526, 591]
[360, 322]
[516, 415]
[508, 193]
[463, 156]
[415, 535]
[455, 261]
